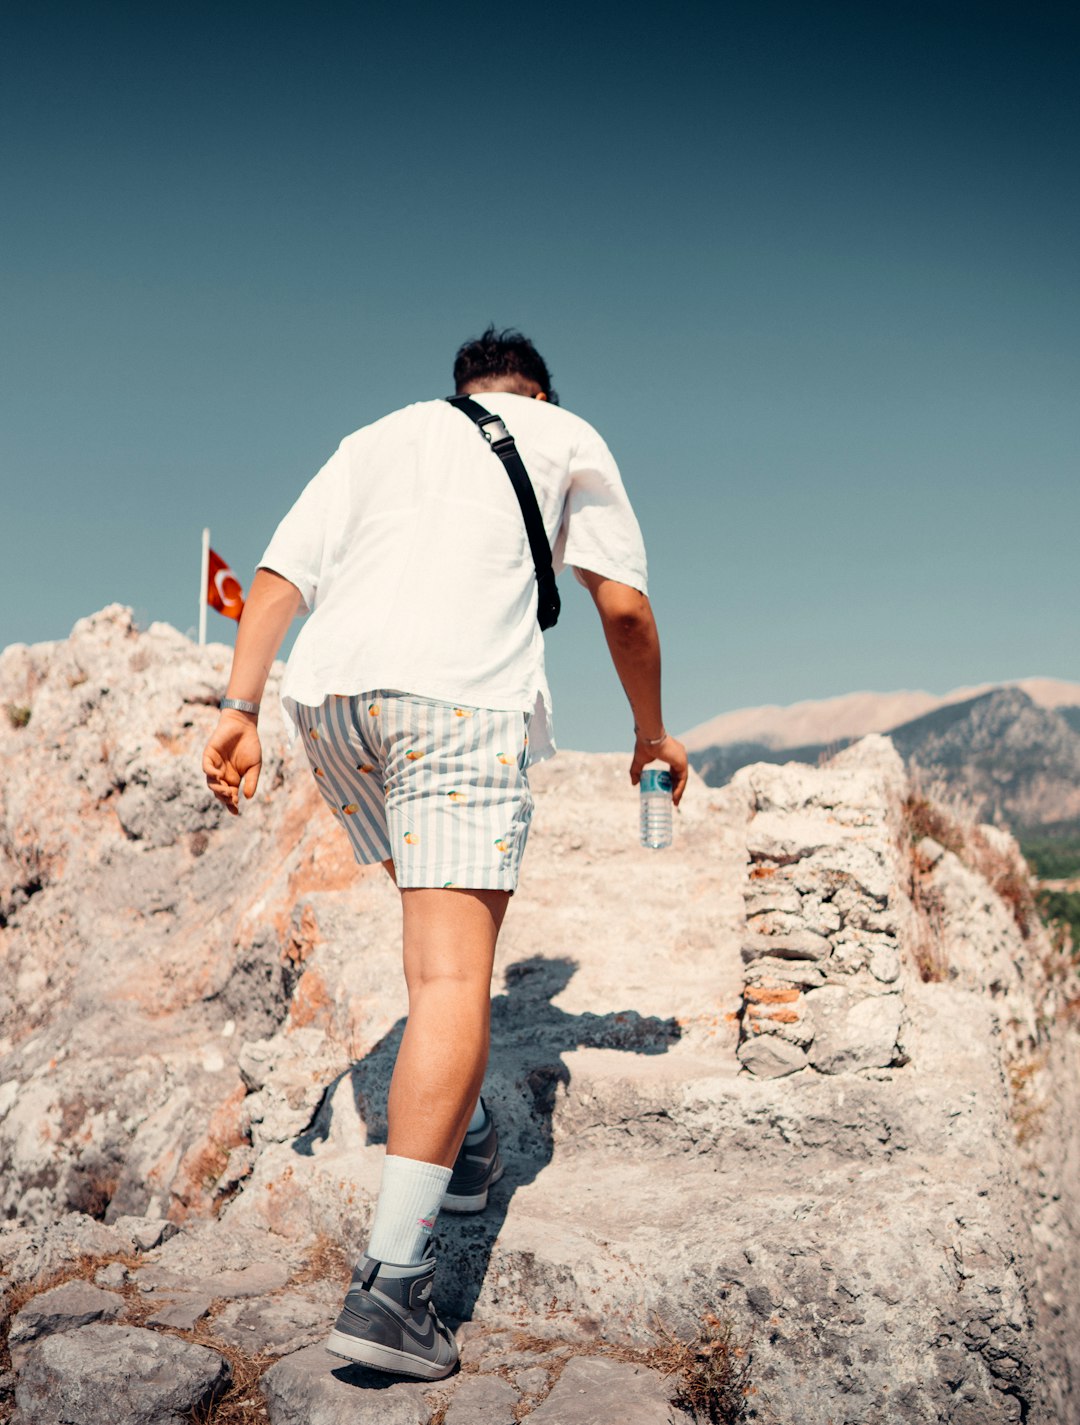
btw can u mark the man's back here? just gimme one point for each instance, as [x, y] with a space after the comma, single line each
[411, 553]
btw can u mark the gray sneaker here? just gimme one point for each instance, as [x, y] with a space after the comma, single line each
[476, 1168]
[389, 1323]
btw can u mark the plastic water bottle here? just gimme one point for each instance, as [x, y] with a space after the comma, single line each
[656, 808]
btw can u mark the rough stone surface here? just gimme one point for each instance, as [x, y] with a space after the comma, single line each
[102, 1375]
[592, 1389]
[854, 1031]
[482, 1400]
[532, 1380]
[770, 1057]
[145, 1232]
[74, 1303]
[277, 1324]
[199, 1016]
[313, 1387]
[115, 1274]
[181, 1311]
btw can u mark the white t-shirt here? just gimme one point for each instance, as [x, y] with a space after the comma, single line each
[410, 553]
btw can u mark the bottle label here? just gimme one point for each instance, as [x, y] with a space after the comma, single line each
[655, 779]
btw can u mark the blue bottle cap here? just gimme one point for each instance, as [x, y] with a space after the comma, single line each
[656, 779]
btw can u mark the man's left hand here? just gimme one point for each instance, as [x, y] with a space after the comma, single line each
[670, 751]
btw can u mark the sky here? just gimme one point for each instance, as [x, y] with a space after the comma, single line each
[812, 270]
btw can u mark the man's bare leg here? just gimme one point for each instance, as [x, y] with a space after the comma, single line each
[449, 948]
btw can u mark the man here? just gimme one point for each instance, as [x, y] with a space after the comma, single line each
[417, 685]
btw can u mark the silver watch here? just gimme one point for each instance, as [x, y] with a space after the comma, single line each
[239, 705]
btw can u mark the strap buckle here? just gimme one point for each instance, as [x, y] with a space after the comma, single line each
[498, 432]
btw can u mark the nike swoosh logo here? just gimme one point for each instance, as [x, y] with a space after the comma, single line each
[427, 1340]
[372, 1302]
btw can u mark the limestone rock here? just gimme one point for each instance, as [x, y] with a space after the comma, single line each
[482, 1400]
[929, 852]
[28, 1255]
[885, 964]
[532, 1380]
[771, 1057]
[854, 1031]
[100, 1375]
[199, 1017]
[115, 1274]
[145, 1232]
[797, 945]
[288, 1074]
[279, 1324]
[592, 1389]
[768, 971]
[255, 1280]
[74, 1303]
[180, 1311]
[312, 1387]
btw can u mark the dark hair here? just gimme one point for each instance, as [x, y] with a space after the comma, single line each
[505, 353]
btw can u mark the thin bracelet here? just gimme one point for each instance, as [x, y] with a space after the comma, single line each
[240, 705]
[651, 741]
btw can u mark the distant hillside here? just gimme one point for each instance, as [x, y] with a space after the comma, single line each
[834, 720]
[1008, 758]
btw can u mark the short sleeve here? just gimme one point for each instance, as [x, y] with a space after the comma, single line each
[600, 531]
[298, 546]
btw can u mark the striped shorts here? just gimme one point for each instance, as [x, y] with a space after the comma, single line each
[440, 790]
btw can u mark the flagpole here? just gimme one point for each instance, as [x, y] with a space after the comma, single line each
[204, 583]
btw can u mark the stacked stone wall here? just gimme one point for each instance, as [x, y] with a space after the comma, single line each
[827, 915]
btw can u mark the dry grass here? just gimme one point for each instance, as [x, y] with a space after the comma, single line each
[441, 1406]
[927, 946]
[1007, 872]
[1027, 1107]
[1003, 868]
[923, 817]
[712, 1366]
[713, 1369]
[324, 1261]
[243, 1402]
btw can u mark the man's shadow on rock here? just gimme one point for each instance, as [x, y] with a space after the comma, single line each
[529, 1035]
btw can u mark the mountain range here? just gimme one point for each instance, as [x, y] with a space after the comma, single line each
[1010, 753]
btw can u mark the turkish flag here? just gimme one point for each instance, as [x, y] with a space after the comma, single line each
[223, 591]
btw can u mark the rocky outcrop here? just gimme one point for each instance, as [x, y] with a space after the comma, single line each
[102, 1374]
[803, 1076]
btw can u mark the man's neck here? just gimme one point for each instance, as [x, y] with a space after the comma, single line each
[511, 386]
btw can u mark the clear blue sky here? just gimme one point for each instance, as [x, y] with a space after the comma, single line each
[812, 269]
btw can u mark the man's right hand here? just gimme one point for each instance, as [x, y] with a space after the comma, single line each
[670, 751]
[233, 758]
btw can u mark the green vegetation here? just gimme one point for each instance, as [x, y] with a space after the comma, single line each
[1052, 857]
[1060, 911]
[17, 716]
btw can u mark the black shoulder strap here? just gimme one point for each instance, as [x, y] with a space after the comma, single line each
[501, 441]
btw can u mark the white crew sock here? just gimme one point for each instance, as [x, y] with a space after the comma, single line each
[478, 1119]
[410, 1195]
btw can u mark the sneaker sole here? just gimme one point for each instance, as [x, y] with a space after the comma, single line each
[477, 1202]
[385, 1358]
